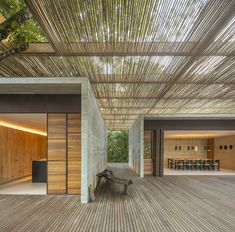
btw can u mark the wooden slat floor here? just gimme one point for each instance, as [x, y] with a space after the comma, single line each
[171, 203]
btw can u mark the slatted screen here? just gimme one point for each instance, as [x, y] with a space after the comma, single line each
[74, 154]
[64, 153]
[56, 154]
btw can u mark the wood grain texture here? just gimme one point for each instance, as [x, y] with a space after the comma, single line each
[211, 148]
[17, 150]
[56, 154]
[74, 154]
[226, 156]
[171, 203]
[148, 167]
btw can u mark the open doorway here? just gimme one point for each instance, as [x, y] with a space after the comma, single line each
[199, 152]
[23, 153]
[117, 146]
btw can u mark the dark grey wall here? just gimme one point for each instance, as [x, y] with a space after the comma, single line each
[40, 103]
[190, 124]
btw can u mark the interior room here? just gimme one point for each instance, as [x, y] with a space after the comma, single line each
[199, 153]
[23, 154]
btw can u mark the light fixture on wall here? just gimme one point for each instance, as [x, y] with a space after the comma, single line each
[195, 148]
[22, 128]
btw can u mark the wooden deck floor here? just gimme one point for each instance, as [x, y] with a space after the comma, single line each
[171, 203]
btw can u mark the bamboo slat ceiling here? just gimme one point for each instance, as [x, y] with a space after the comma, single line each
[142, 57]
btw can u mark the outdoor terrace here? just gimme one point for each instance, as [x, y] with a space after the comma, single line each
[170, 203]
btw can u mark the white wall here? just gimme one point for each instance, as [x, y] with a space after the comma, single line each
[184, 153]
[94, 141]
[136, 146]
[226, 157]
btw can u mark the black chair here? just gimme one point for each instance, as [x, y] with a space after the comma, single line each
[215, 163]
[189, 164]
[179, 164]
[207, 165]
[198, 164]
[170, 163]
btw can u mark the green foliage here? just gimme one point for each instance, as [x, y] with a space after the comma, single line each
[20, 34]
[27, 32]
[117, 146]
[147, 150]
[10, 7]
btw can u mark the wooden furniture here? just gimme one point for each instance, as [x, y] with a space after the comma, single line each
[108, 175]
[189, 164]
[215, 163]
[179, 164]
[197, 164]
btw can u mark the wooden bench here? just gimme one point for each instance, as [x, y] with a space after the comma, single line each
[108, 175]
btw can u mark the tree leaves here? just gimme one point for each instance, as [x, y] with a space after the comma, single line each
[23, 31]
[117, 146]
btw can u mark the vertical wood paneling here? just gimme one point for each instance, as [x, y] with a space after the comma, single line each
[148, 162]
[158, 153]
[56, 154]
[74, 154]
[17, 150]
[211, 148]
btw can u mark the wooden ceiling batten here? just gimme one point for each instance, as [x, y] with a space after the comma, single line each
[161, 56]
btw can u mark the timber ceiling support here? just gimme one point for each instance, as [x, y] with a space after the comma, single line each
[39, 20]
[160, 82]
[123, 54]
[157, 98]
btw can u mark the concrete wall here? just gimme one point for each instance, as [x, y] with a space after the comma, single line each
[184, 153]
[226, 156]
[136, 146]
[94, 141]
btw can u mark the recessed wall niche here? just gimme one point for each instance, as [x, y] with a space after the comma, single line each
[225, 147]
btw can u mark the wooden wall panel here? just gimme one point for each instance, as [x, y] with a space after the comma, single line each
[148, 167]
[226, 156]
[17, 150]
[56, 154]
[211, 148]
[74, 154]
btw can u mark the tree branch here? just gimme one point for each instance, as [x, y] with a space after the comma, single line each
[12, 51]
[17, 19]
